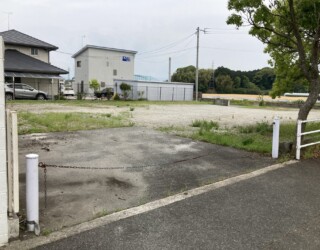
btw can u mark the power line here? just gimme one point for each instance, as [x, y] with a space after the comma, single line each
[170, 45]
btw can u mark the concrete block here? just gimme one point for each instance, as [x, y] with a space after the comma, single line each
[221, 102]
[13, 224]
[3, 203]
[3, 239]
[3, 223]
[3, 139]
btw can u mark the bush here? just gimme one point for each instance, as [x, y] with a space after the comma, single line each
[125, 88]
[115, 97]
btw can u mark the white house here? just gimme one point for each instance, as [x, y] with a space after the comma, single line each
[103, 64]
[27, 60]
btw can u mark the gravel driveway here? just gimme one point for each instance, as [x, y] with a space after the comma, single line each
[153, 116]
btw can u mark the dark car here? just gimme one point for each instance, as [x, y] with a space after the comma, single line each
[23, 91]
[104, 93]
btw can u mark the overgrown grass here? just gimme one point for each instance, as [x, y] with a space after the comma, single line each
[62, 122]
[255, 138]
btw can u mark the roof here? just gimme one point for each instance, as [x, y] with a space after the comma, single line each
[15, 61]
[18, 38]
[102, 48]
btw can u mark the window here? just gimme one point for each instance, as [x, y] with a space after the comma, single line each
[103, 84]
[114, 72]
[34, 51]
[78, 64]
[107, 63]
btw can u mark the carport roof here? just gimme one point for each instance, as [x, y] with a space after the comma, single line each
[16, 61]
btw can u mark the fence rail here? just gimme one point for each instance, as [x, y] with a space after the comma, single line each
[300, 134]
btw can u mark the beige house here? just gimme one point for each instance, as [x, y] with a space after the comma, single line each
[102, 63]
[27, 60]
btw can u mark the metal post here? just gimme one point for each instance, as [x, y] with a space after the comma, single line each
[32, 193]
[298, 146]
[172, 94]
[275, 139]
[160, 93]
[197, 64]
[169, 78]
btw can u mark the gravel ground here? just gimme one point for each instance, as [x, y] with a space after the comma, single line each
[153, 116]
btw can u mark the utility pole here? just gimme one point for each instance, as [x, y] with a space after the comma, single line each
[169, 78]
[197, 64]
[197, 60]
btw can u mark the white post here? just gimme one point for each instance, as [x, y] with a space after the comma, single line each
[298, 146]
[32, 192]
[275, 138]
[4, 234]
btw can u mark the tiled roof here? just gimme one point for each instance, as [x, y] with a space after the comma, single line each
[15, 61]
[17, 38]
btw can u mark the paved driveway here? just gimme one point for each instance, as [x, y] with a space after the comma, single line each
[146, 165]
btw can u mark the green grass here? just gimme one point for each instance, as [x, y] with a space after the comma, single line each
[62, 122]
[100, 103]
[255, 138]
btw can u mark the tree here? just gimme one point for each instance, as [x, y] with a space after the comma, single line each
[224, 84]
[125, 88]
[187, 74]
[291, 31]
[95, 85]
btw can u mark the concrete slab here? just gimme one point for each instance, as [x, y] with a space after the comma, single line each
[147, 165]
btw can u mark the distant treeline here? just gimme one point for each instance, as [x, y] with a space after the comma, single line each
[225, 80]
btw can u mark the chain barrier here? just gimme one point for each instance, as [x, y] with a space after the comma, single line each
[45, 166]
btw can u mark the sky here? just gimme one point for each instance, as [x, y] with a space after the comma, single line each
[156, 29]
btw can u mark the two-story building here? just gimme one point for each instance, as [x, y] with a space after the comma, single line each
[27, 60]
[103, 64]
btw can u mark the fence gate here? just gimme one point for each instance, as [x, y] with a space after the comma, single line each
[300, 134]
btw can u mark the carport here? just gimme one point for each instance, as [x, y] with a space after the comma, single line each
[20, 68]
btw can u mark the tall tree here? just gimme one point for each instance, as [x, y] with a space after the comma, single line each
[291, 31]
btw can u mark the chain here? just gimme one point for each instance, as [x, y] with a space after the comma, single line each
[44, 166]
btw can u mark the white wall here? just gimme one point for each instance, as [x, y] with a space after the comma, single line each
[100, 63]
[81, 73]
[43, 54]
[158, 91]
[3, 156]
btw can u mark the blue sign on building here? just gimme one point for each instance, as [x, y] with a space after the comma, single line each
[126, 58]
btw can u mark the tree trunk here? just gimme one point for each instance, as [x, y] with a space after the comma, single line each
[311, 100]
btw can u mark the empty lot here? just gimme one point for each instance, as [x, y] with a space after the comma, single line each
[157, 115]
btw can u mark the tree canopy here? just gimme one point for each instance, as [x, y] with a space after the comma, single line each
[291, 31]
[228, 81]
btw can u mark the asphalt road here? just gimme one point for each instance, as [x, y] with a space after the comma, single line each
[277, 210]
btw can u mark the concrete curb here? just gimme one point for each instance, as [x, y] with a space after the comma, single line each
[67, 232]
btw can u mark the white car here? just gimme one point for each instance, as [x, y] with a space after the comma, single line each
[67, 91]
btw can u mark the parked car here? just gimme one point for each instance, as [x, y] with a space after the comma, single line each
[67, 91]
[23, 91]
[105, 93]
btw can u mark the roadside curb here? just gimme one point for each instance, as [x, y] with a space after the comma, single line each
[70, 231]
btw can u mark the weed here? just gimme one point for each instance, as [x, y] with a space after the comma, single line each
[205, 125]
[131, 108]
[101, 214]
[60, 122]
[46, 232]
[247, 141]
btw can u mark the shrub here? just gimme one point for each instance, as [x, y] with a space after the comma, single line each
[125, 88]
[115, 97]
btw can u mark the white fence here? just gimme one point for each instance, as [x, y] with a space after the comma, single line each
[300, 134]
